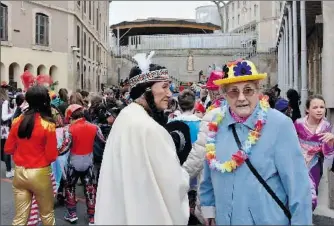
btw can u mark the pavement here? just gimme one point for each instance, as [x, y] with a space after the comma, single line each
[7, 204]
[322, 215]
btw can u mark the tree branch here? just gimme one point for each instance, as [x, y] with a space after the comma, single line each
[220, 5]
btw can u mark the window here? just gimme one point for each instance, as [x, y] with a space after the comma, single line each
[238, 19]
[3, 23]
[78, 2]
[232, 6]
[238, 4]
[99, 29]
[244, 2]
[42, 29]
[84, 44]
[104, 36]
[85, 6]
[255, 10]
[97, 19]
[93, 44]
[78, 36]
[106, 33]
[89, 47]
[93, 13]
[90, 10]
[97, 54]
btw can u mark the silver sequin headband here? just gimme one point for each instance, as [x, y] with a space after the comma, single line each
[152, 76]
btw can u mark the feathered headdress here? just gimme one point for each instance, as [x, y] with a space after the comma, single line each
[146, 75]
[144, 61]
[45, 80]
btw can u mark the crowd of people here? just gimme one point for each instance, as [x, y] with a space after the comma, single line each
[148, 154]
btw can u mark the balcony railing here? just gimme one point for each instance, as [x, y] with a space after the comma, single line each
[199, 41]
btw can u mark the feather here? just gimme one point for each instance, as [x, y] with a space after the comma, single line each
[27, 80]
[144, 61]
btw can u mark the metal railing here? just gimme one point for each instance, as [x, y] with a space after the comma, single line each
[191, 41]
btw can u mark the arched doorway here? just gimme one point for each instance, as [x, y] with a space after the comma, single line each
[93, 79]
[53, 72]
[13, 74]
[29, 67]
[2, 71]
[41, 70]
[78, 74]
[98, 83]
[83, 79]
[89, 78]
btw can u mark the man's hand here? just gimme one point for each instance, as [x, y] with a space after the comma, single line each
[210, 221]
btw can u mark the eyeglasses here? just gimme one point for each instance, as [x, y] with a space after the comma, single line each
[234, 93]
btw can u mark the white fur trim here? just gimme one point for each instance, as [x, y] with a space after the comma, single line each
[208, 211]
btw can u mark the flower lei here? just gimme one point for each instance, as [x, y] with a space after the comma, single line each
[216, 104]
[240, 156]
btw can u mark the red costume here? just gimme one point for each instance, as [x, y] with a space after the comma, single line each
[36, 152]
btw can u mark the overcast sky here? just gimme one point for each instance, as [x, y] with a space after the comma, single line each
[132, 10]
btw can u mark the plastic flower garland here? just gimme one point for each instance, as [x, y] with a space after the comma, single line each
[240, 156]
[216, 104]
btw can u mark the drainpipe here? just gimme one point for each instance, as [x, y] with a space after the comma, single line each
[290, 47]
[295, 46]
[118, 41]
[82, 48]
[286, 62]
[303, 59]
[283, 62]
[280, 60]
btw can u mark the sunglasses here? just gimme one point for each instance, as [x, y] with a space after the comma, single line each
[234, 93]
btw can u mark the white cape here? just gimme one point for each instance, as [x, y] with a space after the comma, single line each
[141, 180]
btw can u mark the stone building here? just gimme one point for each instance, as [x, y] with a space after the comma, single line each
[185, 47]
[66, 39]
[305, 63]
[259, 18]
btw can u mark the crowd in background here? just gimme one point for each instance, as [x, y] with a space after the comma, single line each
[101, 110]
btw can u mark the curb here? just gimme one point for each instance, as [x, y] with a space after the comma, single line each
[322, 220]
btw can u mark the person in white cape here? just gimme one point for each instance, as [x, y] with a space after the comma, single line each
[141, 181]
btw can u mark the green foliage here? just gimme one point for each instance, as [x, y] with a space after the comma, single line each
[53, 85]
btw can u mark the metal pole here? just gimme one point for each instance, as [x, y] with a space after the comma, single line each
[295, 46]
[303, 59]
[81, 48]
[118, 40]
[283, 60]
[290, 47]
[279, 71]
[286, 32]
[281, 46]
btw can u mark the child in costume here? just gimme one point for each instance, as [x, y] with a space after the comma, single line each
[316, 139]
[80, 162]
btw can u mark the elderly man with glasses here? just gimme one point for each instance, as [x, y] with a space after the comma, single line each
[254, 172]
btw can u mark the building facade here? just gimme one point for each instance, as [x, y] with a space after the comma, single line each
[208, 14]
[253, 17]
[66, 39]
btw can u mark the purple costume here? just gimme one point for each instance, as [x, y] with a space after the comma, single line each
[314, 150]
